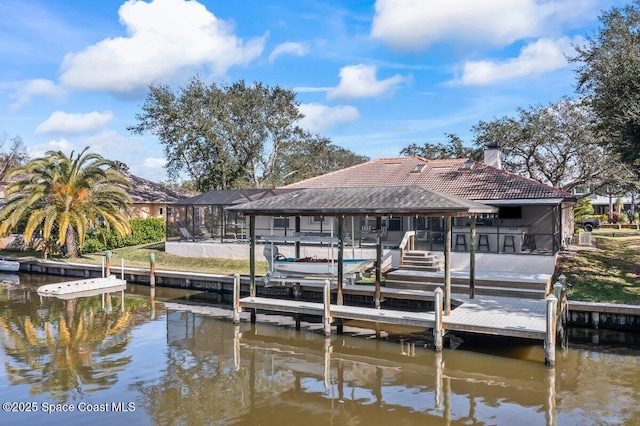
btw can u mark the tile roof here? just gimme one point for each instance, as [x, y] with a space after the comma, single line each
[145, 191]
[383, 200]
[480, 182]
[229, 197]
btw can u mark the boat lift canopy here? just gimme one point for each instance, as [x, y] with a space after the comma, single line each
[372, 201]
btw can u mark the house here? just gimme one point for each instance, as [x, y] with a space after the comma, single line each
[532, 217]
[149, 198]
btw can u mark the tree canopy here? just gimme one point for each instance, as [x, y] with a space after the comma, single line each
[11, 156]
[554, 144]
[608, 75]
[63, 195]
[453, 148]
[226, 136]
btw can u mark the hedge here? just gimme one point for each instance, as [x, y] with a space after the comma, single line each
[143, 231]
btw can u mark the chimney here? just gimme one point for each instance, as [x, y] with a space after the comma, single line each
[493, 155]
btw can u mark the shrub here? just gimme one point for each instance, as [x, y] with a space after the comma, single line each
[624, 218]
[143, 231]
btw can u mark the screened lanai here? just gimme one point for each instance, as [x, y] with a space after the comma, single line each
[203, 217]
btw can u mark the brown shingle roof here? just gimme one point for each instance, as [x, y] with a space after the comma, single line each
[480, 182]
[145, 191]
[381, 200]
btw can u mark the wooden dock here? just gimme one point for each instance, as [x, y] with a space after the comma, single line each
[502, 316]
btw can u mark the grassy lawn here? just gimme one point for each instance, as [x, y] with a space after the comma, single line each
[611, 273]
[138, 257]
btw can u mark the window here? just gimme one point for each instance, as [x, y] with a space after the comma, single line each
[169, 211]
[317, 219]
[418, 168]
[281, 222]
[394, 224]
[161, 211]
[514, 212]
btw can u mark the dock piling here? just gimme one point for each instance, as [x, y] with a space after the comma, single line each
[152, 269]
[326, 319]
[550, 340]
[236, 299]
[437, 330]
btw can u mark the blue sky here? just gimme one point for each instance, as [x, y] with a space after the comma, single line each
[373, 76]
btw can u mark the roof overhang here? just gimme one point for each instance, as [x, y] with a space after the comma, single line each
[356, 201]
[526, 201]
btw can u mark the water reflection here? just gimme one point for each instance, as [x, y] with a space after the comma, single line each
[198, 368]
[63, 347]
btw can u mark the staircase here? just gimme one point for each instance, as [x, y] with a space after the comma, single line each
[422, 270]
[416, 260]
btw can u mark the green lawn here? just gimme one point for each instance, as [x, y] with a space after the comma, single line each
[138, 257]
[609, 274]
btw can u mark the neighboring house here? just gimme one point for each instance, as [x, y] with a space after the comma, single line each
[533, 217]
[149, 198]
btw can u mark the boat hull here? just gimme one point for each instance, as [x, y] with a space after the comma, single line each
[9, 266]
[323, 267]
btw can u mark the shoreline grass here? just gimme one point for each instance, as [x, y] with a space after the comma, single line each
[609, 273]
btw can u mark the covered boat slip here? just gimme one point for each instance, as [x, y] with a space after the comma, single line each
[375, 202]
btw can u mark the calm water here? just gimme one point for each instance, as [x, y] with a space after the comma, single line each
[181, 363]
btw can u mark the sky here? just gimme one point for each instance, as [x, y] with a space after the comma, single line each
[373, 76]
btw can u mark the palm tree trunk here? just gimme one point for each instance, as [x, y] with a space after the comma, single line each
[71, 242]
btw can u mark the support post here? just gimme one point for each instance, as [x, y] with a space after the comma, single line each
[378, 261]
[472, 259]
[152, 270]
[339, 297]
[437, 330]
[108, 263]
[236, 299]
[326, 319]
[252, 263]
[296, 244]
[550, 340]
[447, 265]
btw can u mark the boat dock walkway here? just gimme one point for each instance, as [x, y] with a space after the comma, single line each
[495, 315]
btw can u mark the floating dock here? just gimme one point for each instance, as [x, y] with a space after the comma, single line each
[83, 287]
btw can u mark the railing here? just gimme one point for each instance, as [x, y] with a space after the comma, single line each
[408, 243]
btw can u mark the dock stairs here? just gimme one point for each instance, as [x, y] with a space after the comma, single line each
[422, 270]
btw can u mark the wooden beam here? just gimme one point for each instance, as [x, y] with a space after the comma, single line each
[378, 261]
[447, 265]
[472, 260]
[339, 300]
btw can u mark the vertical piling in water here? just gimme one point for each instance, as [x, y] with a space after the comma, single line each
[550, 340]
[152, 270]
[236, 298]
[437, 329]
[326, 319]
[108, 274]
[107, 263]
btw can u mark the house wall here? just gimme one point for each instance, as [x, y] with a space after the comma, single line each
[147, 210]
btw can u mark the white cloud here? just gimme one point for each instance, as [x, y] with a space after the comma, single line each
[288, 48]
[37, 87]
[164, 37]
[318, 117]
[416, 24]
[544, 55]
[359, 81]
[64, 123]
[37, 151]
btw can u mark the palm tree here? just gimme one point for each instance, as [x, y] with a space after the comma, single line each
[66, 196]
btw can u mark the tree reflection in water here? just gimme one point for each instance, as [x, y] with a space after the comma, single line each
[59, 347]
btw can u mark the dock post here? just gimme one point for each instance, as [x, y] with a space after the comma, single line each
[152, 269]
[236, 298]
[447, 266]
[437, 330]
[326, 319]
[550, 341]
[108, 263]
